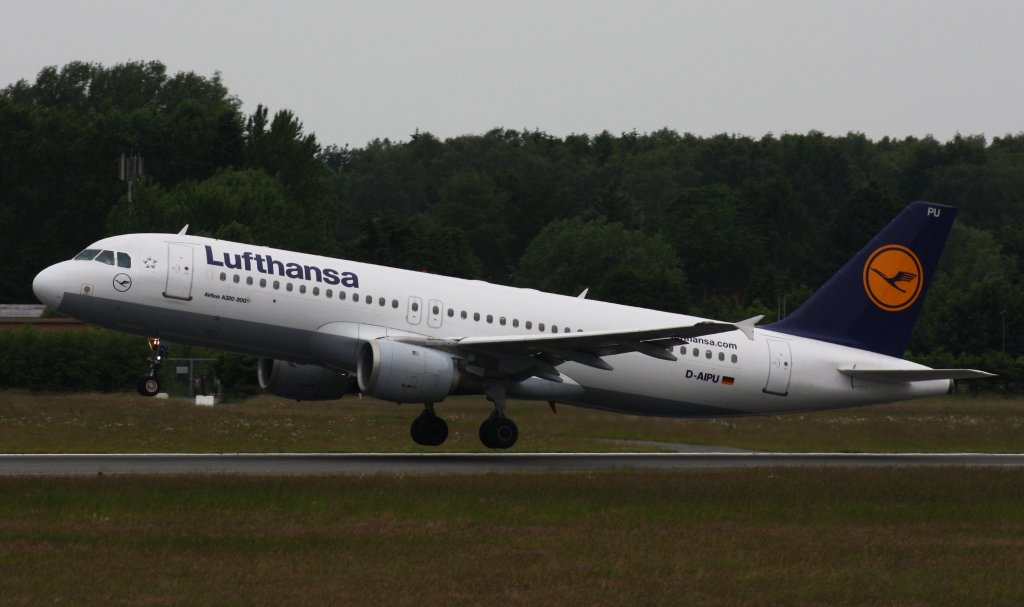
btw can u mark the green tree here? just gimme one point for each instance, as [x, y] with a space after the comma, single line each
[615, 263]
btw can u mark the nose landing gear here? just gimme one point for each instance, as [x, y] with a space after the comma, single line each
[148, 384]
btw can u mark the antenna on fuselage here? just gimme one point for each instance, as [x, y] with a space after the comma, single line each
[184, 230]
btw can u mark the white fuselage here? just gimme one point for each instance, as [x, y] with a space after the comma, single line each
[181, 288]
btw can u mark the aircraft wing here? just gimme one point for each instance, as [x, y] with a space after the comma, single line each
[527, 355]
[895, 376]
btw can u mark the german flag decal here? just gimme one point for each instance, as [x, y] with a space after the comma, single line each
[728, 381]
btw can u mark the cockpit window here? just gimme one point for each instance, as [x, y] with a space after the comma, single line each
[87, 254]
[124, 260]
[106, 257]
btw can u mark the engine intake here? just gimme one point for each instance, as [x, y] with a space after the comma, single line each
[302, 382]
[404, 373]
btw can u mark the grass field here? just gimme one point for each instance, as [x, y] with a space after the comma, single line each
[913, 536]
[732, 537]
[120, 423]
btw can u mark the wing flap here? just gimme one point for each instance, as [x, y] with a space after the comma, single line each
[539, 354]
[593, 341]
[899, 376]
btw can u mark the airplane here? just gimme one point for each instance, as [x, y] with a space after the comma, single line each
[323, 328]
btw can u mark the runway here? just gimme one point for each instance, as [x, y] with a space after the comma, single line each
[295, 464]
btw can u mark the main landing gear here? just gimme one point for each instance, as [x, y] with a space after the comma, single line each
[497, 431]
[149, 385]
[428, 429]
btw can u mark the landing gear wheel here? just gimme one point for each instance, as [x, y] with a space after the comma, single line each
[498, 432]
[429, 430]
[148, 385]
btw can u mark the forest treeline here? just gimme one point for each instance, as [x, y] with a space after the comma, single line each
[724, 226]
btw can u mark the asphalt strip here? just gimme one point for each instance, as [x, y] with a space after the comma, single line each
[357, 464]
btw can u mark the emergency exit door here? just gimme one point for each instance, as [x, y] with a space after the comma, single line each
[780, 367]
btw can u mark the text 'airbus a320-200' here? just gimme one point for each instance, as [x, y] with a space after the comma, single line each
[326, 327]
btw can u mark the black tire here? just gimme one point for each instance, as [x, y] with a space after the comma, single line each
[486, 432]
[434, 430]
[504, 433]
[498, 433]
[148, 386]
[416, 431]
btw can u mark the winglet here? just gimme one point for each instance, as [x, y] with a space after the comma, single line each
[583, 295]
[184, 230]
[747, 326]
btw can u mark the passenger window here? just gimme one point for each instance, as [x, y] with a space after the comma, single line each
[124, 260]
[394, 303]
[342, 295]
[369, 300]
[87, 255]
[463, 315]
[567, 330]
[415, 306]
[288, 287]
[263, 282]
[277, 285]
[106, 257]
[476, 316]
[490, 319]
[435, 310]
[355, 297]
[696, 352]
[501, 321]
[708, 355]
[682, 350]
[554, 328]
[302, 289]
[223, 276]
[382, 302]
[248, 280]
[236, 278]
[529, 324]
[721, 356]
[734, 358]
[540, 327]
[316, 290]
[515, 322]
[329, 293]
[451, 312]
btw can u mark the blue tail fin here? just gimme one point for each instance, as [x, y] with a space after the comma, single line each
[873, 302]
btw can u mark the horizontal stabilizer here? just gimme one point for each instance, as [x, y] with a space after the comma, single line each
[898, 376]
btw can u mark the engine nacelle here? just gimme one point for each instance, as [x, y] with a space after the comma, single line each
[302, 382]
[404, 373]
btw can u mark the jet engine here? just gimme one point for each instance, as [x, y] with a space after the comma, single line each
[404, 373]
[302, 382]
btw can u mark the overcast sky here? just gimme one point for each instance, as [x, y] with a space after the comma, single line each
[355, 71]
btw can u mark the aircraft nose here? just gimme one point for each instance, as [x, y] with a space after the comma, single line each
[49, 286]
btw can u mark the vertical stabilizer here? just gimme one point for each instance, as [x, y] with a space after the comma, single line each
[873, 302]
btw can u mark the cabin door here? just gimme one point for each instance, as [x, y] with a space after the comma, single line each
[179, 271]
